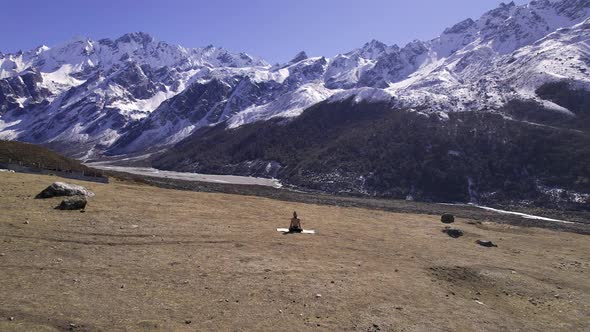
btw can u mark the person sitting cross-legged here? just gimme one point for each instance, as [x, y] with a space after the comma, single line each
[295, 226]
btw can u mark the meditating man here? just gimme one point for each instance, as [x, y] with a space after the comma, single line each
[295, 226]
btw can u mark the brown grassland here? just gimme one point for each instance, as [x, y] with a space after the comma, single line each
[143, 258]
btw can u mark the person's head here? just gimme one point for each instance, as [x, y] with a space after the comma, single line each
[294, 214]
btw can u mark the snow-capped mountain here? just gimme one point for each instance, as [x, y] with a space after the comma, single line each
[481, 65]
[135, 93]
[88, 92]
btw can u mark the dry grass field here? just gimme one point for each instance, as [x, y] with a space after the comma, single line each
[143, 258]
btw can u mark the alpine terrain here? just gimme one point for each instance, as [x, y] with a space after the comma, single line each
[494, 110]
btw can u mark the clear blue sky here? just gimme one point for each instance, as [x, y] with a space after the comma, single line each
[272, 29]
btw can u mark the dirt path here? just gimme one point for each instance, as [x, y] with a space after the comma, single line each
[143, 258]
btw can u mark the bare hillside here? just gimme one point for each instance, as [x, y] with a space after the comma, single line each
[143, 258]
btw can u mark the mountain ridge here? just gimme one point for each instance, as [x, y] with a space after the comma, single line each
[125, 85]
[135, 94]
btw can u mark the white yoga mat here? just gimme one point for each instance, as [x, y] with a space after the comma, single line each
[305, 231]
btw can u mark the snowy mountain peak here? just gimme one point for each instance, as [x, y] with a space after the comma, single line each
[373, 49]
[137, 37]
[40, 49]
[507, 5]
[299, 57]
[135, 92]
[460, 27]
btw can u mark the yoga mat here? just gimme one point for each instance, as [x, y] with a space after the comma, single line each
[305, 231]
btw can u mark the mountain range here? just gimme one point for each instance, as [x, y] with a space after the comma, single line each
[493, 109]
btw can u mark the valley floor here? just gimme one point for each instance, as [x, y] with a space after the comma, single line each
[227, 179]
[144, 258]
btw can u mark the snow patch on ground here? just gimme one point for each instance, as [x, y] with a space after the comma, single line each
[231, 179]
[524, 215]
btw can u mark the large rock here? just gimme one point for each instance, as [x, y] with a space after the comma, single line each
[57, 189]
[447, 218]
[73, 203]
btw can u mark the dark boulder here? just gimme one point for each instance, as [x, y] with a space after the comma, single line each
[447, 218]
[485, 243]
[453, 232]
[58, 189]
[73, 203]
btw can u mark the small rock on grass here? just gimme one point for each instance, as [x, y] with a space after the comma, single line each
[453, 232]
[485, 243]
[73, 203]
[374, 328]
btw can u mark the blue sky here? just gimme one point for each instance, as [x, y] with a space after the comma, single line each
[272, 29]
